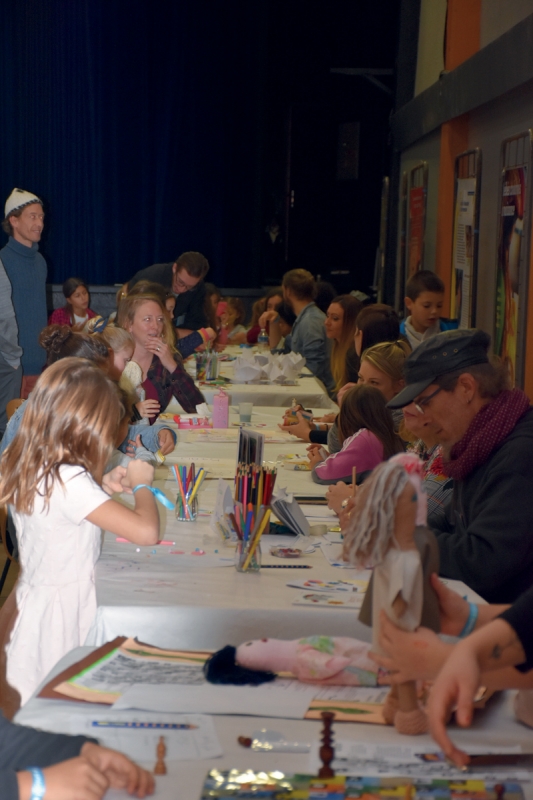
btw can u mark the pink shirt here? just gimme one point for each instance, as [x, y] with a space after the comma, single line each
[363, 451]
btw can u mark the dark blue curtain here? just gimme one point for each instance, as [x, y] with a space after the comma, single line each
[139, 124]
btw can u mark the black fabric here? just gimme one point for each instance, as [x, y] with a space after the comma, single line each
[222, 667]
[486, 535]
[352, 366]
[22, 747]
[318, 437]
[520, 618]
[189, 312]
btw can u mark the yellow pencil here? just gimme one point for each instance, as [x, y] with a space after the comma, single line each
[256, 539]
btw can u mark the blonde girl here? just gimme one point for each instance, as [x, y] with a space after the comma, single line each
[51, 476]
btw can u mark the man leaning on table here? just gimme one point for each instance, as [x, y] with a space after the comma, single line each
[486, 430]
[185, 277]
[35, 764]
[308, 336]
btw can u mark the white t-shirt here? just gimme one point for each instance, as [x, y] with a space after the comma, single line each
[56, 598]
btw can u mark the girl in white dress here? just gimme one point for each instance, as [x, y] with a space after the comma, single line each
[51, 475]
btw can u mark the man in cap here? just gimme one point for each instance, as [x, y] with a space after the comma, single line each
[22, 296]
[486, 431]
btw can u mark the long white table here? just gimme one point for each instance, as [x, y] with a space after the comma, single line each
[494, 726]
[309, 391]
[177, 601]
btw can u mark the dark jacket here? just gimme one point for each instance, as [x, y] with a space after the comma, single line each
[486, 535]
[190, 311]
[25, 747]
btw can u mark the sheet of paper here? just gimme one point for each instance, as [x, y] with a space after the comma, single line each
[198, 741]
[281, 698]
[319, 512]
[383, 760]
[334, 600]
[318, 585]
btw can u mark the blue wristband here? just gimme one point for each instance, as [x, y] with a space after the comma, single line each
[470, 623]
[38, 786]
[157, 493]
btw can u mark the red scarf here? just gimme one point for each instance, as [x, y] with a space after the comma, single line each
[491, 425]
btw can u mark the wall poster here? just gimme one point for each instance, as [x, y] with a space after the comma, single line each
[465, 238]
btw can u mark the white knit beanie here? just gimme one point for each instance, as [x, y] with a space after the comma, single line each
[18, 199]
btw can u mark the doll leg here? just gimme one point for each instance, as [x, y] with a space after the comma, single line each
[390, 706]
[409, 719]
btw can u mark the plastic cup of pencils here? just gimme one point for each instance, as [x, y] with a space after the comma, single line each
[245, 412]
[188, 511]
[201, 366]
[242, 557]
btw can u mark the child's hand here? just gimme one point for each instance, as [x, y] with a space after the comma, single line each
[267, 316]
[73, 778]
[147, 408]
[315, 456]
[113, 481]
[139, 472]
[166, 441]
[328, 418]
[119, 770]
[343, 390]
[301, 429]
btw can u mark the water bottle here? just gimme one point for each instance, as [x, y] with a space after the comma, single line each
[221, 410]
[262, 340]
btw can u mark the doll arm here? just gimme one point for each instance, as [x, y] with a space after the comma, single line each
[311, 665]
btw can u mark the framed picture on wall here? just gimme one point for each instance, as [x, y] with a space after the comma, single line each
[512, 265]
[465, 237]
[418, 183]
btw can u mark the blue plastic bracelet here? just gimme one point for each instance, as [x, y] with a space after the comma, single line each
[38, 786]
[470, 623]
[157, 493]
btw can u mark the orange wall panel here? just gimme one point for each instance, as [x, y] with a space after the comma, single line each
[463, 26]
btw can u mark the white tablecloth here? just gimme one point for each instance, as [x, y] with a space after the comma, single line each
[494, 726]
[309, 391]
[151, 595]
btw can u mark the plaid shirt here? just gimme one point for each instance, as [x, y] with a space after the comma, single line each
[178, 384]
[61, 316]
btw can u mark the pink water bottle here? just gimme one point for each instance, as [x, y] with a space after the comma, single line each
[221, 410]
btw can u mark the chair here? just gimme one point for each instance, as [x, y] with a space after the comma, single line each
[12, 406]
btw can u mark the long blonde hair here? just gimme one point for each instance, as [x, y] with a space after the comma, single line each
[128, 307]
[71, 417]
[351, 307]
[388, 357]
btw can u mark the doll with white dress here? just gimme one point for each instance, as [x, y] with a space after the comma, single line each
[388, 532]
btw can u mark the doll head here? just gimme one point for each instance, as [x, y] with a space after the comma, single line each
[374, 520]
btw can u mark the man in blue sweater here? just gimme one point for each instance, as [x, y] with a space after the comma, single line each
[26, 269]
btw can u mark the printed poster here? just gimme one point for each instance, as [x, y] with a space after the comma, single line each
[463, 252]
[417, 212]
[510, 255]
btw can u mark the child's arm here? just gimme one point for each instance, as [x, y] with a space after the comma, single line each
[141, 524]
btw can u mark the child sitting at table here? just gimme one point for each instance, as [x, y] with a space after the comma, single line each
[76, 311]
[232, 314]
[367, 434]
[51, 476]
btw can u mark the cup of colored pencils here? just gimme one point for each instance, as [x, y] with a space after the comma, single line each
[189, 482]
[254, 486]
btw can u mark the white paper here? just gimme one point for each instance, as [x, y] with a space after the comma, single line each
[140, 744]
[287, 510]
[285, 699]
[393, 760]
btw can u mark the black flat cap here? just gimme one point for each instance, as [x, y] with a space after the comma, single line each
[445, 352]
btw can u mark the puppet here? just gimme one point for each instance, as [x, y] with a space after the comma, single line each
[324, 660]
[387, 531]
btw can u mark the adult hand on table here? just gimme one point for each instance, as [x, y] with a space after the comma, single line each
[335, 496]
[166, 441]
[411, 656]
[147, 408]
[161, 349]
[119, 770]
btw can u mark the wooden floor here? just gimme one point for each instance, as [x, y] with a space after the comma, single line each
[12, 576]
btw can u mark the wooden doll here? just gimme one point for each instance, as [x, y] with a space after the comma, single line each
[388, 532]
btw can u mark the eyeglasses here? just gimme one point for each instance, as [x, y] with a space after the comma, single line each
[182, 285]
[425, 401]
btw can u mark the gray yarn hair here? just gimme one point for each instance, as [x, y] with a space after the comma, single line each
[371, 527]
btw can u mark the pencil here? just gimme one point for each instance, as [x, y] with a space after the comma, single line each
[286, 566]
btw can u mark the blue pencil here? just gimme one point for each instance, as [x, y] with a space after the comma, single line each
[171, 726]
